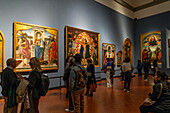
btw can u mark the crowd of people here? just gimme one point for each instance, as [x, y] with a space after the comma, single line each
[78, 78]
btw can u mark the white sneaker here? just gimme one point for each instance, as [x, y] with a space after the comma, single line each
[67, 110]
[146, 80]
[124, 90]
[128, 91]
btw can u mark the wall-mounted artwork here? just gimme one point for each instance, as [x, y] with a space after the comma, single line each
[151, 46]
[127, 49]
[108, 51]
[2, 52]
[35, 41]
[86, 43]
[119, 58]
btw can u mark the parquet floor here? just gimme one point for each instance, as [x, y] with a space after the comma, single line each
[105, 100]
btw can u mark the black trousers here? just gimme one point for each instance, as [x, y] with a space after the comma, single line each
[146, 109]
[71, 107]
[127, 80]
[146, 74]
[139, 73]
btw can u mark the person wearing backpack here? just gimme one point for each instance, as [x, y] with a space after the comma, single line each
[139, 67]
[71, 62]
[77, 81]
[34, 83]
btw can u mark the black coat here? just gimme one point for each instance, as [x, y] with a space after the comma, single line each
[34, 83]
[10, 82]
[91, 68]
[163, 103]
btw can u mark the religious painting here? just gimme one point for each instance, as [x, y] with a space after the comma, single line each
[119, 58]
[86, 43]
[35, 41]
[127, 49]
[108, 51]
[2, 52]
[151, 46]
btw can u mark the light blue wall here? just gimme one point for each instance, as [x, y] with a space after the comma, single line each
[160, 22]
[85, 14]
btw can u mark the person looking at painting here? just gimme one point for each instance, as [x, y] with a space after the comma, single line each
[112, 72]
[10, 82]
[127, 69]
[155, 67]
[34, 83]
[108, 67]
[71, 61]
[146, 67]
[77, 84]
[24, 49]
[139, 67]
[91, 76]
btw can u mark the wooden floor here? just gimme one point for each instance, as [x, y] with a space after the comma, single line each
[105, 100]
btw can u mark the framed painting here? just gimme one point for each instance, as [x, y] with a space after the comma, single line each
[2, 51]
[35, 41]
[127, 49]
[151, 46]
[86, 43]
[108, 51]
[119, 58]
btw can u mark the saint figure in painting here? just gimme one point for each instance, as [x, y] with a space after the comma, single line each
[39, 46]
[52, 51]
[152, 41]
[158, 53]
[149, 53]
[24, 49]
[145, 54]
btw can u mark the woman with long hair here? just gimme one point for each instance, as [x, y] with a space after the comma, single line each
[35, 81]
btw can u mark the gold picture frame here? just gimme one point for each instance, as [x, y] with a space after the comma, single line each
[2, 52]
[86, 43]
[108, 51]
[151, 46]
[35, 41]
[127, 49]
[119, 58]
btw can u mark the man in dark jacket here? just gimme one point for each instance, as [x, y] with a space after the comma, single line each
[77, 92]
[147, 67]
[10, 82]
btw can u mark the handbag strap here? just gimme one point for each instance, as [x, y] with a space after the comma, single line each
[160, 92]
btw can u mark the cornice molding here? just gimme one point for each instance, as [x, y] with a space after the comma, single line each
[143, 11]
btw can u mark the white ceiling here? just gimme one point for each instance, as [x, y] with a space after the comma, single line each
[137, 3]
[146, 12]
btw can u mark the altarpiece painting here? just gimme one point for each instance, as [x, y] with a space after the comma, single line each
[119, 58]
[86, 43]
[108, 51]
[127, 49]
[151, 46]
[35, 41]
[2, 52]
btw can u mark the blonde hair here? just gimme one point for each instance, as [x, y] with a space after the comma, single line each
[35, 63]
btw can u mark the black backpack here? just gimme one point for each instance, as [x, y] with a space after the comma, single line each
[44, 84]
[80, 81]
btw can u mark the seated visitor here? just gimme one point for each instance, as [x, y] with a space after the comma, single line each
[160, 94]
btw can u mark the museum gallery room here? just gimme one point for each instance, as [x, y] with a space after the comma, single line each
[122, 43]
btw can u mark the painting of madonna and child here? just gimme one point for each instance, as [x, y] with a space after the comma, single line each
[108, 51]
[86, 43]
[35, 41]
[151, 46]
